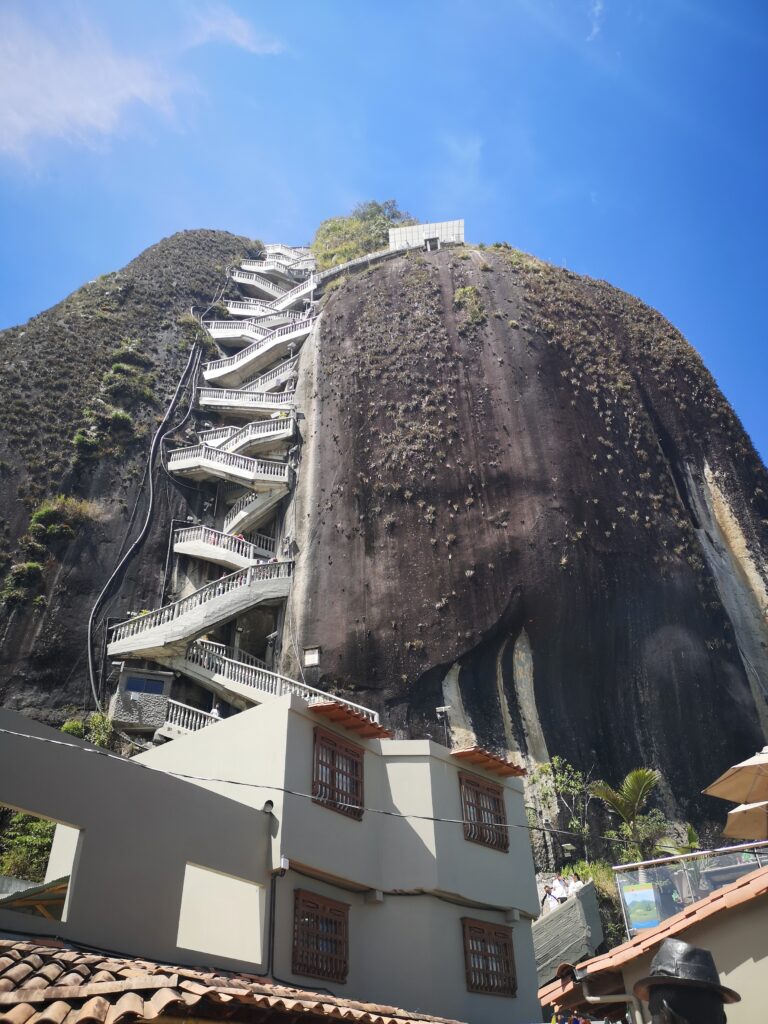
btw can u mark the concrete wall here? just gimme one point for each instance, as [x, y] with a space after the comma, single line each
[738, 940]
[272, 746]
[138, 830]
[416, 234]
[408, 951]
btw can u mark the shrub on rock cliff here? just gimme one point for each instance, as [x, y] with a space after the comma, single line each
[23, 582]
[365, 230]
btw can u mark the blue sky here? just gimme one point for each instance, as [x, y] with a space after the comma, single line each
[626, 139]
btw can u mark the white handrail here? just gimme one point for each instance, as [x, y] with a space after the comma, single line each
[210, 592]
[258, 428]
[258, 382]
[205, 453]
[236, 327]
[252, 307]
[225, 541]
[244, 354]
[216, 434]
[248, 397]
[248, 277]
[182, 716]
[264, 266]
[238, 671]
[247, 501]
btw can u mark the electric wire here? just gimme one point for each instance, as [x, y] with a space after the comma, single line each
[410, 815]
[142, 533]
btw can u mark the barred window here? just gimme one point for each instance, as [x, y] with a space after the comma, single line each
[483, 811]
[338, 774]
[320, 936]
[489, 958]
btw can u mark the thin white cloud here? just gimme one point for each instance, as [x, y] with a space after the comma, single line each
[596, 11]
[218, 23]
[65, 81]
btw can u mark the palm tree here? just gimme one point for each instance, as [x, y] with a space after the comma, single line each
[628, 802]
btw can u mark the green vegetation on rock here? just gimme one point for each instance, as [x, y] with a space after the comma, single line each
[365, 230]
[23, 582]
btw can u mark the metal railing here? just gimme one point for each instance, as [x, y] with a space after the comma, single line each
[259, 382]
[244, 397]
[210, 592]
[182, 716]
[237, 670]
[653, 890]
[298, 327]
[254, 467]
[259, 428]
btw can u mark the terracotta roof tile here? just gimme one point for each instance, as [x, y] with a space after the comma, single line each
[54, 985]
[744, 889]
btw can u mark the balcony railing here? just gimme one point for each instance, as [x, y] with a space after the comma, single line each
[254, 467]
[217, 435]
[186, 718]
[257, 310]
[210, 592]
[248, 550]
[243, 397]
[237, 670]
[654, 890]
[257, 430]
[248, 277]
[262, 381]
[298, 327]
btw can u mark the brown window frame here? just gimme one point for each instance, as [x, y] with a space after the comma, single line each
[330, 926]
[489, 958]
[476, 793]
[330, 791]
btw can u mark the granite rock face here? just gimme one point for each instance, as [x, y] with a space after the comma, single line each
[520, 495]
[54, 383]
[523, 496]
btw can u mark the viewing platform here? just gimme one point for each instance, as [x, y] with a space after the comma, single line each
[166, 631]
[232, 371]
[202, 462]
[223, 549]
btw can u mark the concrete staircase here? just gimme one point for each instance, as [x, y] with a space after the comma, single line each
[166, 631]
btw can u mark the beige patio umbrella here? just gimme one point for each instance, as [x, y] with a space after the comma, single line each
[748, 821]
[745, 783]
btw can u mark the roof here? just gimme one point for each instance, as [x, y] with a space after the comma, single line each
[746, 888]
[58, 984]
[481, 758]
[46, 899]
[348, 718]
